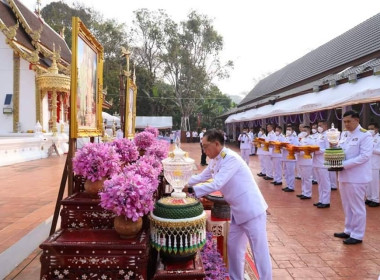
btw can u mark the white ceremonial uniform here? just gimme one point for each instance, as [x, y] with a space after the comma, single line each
[353, 179]
[234, 179]
[306, 168]
[271, 136]
[277, 161]
[297, 164]
[372, 192]
[333, 180]
[245, 146]
[260, 154]
[289, 165]
[252, 135]
[321, 172]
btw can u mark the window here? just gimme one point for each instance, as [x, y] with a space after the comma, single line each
[8, 99]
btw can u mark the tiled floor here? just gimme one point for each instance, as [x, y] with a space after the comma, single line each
[300, 235]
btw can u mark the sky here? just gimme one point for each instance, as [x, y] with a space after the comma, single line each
[260, 37]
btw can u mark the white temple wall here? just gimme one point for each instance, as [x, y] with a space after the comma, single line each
[27, 97]
[6, 83]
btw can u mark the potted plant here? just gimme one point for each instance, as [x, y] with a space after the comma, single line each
[96, 162]
[130, 196]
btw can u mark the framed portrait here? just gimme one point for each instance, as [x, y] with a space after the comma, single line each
[130, 109]
[86, 96]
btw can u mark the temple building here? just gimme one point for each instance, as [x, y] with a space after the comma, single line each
[342, 74]
[34, 85]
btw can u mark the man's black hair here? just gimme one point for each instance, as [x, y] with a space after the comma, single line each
[354, 114]
[214, 135]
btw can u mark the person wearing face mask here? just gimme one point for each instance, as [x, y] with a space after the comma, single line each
[260, 153]
[276, 159]
[305, 165]
[289, 164]
[315, 135]
[203, 156]
[322, 174]
[252, 136]
[357, 144]
[245, 145]
[271, 136]
[372, 191]
[300, 127]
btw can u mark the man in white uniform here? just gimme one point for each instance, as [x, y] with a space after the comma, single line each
[357, 145]
[203, 156]
[260, 154]
[321, 172]
[372, 192]
[245, 145]
[253, 147]
[276, 159]
[289, 164]
[234, 179]
[305, 165]
[271, 136]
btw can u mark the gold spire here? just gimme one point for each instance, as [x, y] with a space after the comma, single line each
[54, 68]
[38, 8]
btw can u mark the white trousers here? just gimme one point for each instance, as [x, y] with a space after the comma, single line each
[306, 173]
[268, 165]
[255, 232]
[372, 192]
[315, 178]
[333, 179]
[263, 169]
[253, 150]
[245, 155]
[277, 168]
[324, 185]
[290, 167]
[352, 195]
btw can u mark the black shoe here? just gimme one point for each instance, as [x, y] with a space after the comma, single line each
[261, 174]
[373, 204]
[299, 195]
[317, 203]
[352, 241]
[341, 235]
[273, 182]
[268, 178]
[298, 178]
[367, 201]
[314, 182]
[327, 205]
[305, 197]
[334, 189]
[277, 183]
[204, 164]
[288, 190]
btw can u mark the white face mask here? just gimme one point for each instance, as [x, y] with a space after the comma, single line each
[320, 129]
[372, 132]
[277, 133]
[313, 130]
[288, 132]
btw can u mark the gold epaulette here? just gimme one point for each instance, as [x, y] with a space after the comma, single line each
[223, 154]
[363, 130]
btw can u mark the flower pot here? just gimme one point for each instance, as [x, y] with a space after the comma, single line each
[93, 187]
[127, 228]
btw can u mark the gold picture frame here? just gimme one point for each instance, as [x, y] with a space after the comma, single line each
[130, 108]
[86, 97]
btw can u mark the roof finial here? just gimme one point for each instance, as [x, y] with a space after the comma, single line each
[38, 8]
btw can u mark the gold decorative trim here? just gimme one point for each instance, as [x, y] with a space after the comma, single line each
[16, 91]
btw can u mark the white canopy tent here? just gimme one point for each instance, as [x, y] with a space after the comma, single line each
[110, 119]
[157, 122]
[363, 91]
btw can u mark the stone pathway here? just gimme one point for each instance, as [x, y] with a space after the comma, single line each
[301, 239]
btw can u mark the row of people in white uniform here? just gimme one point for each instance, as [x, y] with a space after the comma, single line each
[274, 165]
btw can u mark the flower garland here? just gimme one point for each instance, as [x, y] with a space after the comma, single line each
[336, 115]
[373, 110]
[212, 261]
[291, 120]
